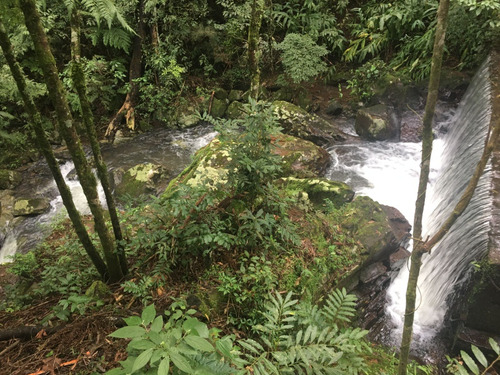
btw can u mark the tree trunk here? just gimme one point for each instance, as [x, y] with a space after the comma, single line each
[57, 96]
[44, 146]
[253, 47]
[127, 109]
[78, 77]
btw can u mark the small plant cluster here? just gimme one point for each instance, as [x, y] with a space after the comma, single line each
[295, 338]
[471, 365]
[363, 80]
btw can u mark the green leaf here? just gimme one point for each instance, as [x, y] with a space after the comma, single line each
[148, 314]
[141, 344]
[479, 355]
[181, 362]
[224, 346]
[129, 332]
[470, 362]
[157, 324]
[199, 343]
[164, 366]
[142, 360]
[494, 346]
[193, 324]
[133, 321]
[462, 370]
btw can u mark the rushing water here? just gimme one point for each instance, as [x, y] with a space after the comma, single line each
[170, 148]
[388, 172]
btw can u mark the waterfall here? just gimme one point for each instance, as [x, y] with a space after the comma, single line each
[449, 265]
[388, 173]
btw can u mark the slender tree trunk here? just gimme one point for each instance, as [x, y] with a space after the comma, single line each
[253, 46]
[44, 146]
[57, 96]
[78, 77]
[127, 109]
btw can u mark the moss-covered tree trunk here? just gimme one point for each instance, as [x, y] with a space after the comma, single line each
[44, 146]
[79, 84]
[253, 46]
[127, 109]
[57, 96]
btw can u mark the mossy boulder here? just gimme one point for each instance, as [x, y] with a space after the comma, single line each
[319, 189]
[300, 158]
[235, 95]
[380, 229]
[376, 123]
[31, 206]
[98, 290]
[235, 110]
[299, 123]
[9, 179]
[218, 108]
[220, 93]
[140, 179]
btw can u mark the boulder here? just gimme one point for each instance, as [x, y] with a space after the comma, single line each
[139, 180]
[334, 108]
[376, 123]
[30, 206]
[301, 159]
[218, 108]
[299, 123]
[9, 179]
[379, 229]
[188, 120]
[220, 93]
[235, 110]
[235, 95]
[319, 189]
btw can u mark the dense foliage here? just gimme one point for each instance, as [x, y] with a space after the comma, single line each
[201, 41]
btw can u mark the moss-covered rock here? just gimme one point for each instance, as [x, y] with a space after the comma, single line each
[218, 108]
[319, 189]
[31, 206]
[98, 290]
[300, 158]
[140, 179]
[299, 123]
[9, 179]
[376, 123]
[235, 110]
[235, 95]
[220, 93]
[371, 226]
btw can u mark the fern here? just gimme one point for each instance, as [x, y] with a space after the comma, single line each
[296, 343]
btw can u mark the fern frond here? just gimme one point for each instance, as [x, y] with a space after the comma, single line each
[339, 306]
[117, 38]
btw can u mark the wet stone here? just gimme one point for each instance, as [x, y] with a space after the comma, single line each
[371, 272]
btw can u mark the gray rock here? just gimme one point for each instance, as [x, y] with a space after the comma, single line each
[376, 123]
[334, 108]
[372, 272]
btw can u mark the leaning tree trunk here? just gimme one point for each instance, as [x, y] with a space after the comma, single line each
[253, 47]
[78, 77]
[127, 109]
[44, 146]
[57, 96]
